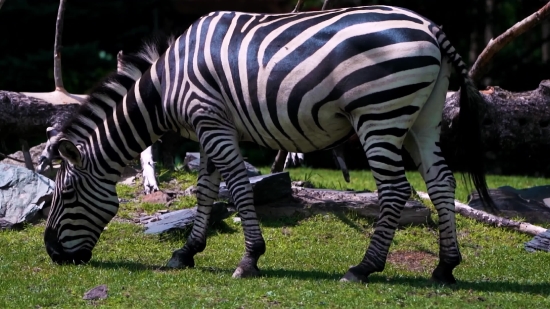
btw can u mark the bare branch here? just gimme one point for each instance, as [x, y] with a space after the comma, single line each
[26, 154]
[490, 219]
[298, 7]
[480, 66]
[57, 76]
[119, 61]
[325, 5]
[278, 164]
[11, 158]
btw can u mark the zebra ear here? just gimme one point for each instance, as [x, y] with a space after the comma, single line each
[69, 152]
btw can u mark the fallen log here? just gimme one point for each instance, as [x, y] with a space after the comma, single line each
[275, 197]
[515, 130]
[27, 117]
[308, 201]
[182, 219]
[490, 219]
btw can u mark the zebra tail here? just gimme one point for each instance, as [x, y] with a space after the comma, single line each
[469, 137]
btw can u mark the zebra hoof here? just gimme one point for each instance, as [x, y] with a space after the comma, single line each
[247, 268]
[180, 260]
[352, 276]
[443, 274]
[242, 272]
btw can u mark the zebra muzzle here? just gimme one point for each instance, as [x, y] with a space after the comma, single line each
[59, 255]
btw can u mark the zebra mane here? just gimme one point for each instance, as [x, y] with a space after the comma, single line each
[109, 92]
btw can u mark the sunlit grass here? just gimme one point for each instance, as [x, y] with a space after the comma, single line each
[302, 265]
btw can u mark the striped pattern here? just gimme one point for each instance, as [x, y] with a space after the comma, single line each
[299, 82]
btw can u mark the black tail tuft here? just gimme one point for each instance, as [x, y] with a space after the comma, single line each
[469, 140]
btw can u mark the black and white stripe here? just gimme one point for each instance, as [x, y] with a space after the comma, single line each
[300, 82]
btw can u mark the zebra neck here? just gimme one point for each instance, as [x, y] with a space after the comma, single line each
[135, 124]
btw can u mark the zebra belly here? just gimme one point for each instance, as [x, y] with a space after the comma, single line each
[334, 129]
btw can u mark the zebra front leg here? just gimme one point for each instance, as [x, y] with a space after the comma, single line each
[208, 186]
[234, 173]
[221, 145]
[393, 192]
[150, 184]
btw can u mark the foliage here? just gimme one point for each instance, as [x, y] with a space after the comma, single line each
[304, 260]
[106, 27]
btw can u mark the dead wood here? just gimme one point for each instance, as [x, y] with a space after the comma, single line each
[57, 74]
[307, 202]
[325, 5]
[299, 6]
[27, 117]
[515, 129]
[480, 66]
[490, 219]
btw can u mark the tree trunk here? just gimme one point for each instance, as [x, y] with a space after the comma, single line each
[515, 128]
[28, 117]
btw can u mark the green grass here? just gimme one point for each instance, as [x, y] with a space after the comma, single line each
[302, 265]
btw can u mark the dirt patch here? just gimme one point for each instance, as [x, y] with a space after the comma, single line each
[415, 261]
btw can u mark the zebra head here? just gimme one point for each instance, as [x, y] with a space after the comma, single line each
[83, 203]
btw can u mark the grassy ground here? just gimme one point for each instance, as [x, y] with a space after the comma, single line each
[301, 268]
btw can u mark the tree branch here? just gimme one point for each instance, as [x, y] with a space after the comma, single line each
[490, 219]
[57, 76]
[298, 7]
[2, 3]
[480, 66]
[26, 154]
[11, 158]
[325, 5]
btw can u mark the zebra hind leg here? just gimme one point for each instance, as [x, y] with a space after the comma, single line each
[207, 192]
[440, 183]
[393, 192]
[422, 143]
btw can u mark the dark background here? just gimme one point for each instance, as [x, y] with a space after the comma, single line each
[94, 32]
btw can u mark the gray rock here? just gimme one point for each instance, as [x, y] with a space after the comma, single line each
[35, 152]
[267, 188]
[23, 194]
[181, 219]
[533, 203]
[192, 163]
[99, 292]
[541, 242]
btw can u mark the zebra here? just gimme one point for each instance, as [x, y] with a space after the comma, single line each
[300, 82]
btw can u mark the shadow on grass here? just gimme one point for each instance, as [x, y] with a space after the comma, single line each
[181, 235]
[346, 216]
[128, 265]
[286, 221]
[477, 286]
[414, 282]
